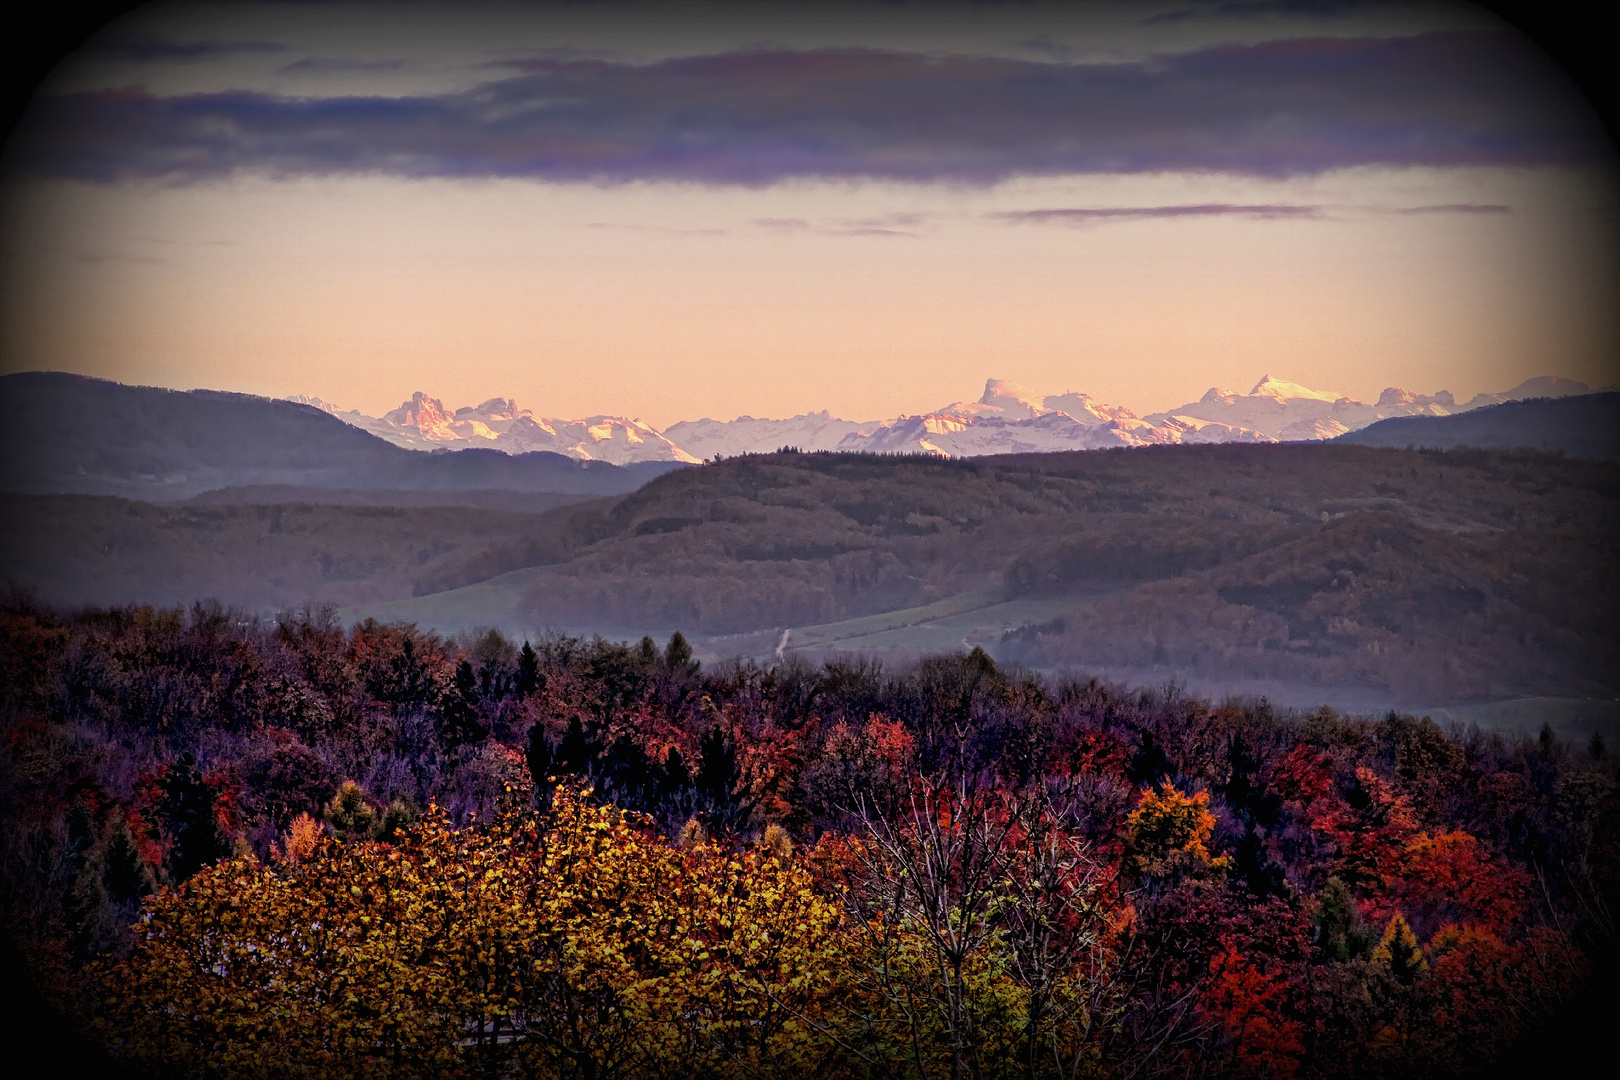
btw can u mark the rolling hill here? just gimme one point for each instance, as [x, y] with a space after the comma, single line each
[72, 434]
[1392, 574]
[1585, 426]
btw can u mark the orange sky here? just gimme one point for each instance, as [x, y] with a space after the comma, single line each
[671, 299]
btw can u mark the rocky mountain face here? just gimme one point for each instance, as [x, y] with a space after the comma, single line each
[1006, 419]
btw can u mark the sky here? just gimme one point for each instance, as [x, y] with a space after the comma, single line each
[678, 210]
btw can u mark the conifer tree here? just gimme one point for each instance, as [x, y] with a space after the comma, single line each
[529, 679]
[1340, 934]
[1398, 949]
[678, 654]
[350, 815]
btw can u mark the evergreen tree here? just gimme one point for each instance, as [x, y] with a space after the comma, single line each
[1339, 933]
[349, 812]
[128, 875]
[530, 681]
[459, 721]
[1256, 808]
[1398, 948]
[678, 654]
[400, 815]
[628, 776]
[541, 758]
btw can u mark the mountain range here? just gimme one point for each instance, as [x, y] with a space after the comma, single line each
[1006, 419]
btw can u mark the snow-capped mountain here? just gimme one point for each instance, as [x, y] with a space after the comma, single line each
[1006, 419]
[1289, 412]
[746, 435]
[423, 423]
[1010, 419]
[1007, 400]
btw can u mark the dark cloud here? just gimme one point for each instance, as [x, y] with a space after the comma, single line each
[1084, 215]
[1261, 9]
[1280, 108]
[1457, 208]
[324, 65]
[1043, 45]
[141, 47]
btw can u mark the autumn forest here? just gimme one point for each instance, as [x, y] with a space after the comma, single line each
[239, 847]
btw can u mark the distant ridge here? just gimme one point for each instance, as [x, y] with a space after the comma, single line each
[1587, 426]
[73, 434]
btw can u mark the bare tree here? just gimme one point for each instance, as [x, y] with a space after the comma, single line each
[985, 919]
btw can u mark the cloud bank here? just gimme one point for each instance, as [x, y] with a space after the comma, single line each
[1280, 108]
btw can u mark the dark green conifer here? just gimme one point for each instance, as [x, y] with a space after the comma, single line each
[529, 679]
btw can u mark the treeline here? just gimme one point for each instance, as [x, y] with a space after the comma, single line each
[239, 849]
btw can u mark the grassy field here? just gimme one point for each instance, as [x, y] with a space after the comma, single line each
[981, 617]
[491, 604]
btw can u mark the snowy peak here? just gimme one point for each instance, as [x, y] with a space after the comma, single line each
[1084, 409]
[1007, 400]
[1012, 399]
[315, 403]
[1283, 390]
[423, 423]
[494, 409]
[1394, 396]
[1291, 412]
[708, 438]
[424, 413]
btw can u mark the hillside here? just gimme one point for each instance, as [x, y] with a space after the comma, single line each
[1470, 575]
[1585, 426]
[1386, 575]
[72, 434]
[88, 549]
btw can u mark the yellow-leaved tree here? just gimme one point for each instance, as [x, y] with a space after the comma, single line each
[1167, 835]
[574, 944]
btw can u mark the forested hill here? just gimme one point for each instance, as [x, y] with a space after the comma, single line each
[1351, 573]
[1587, 425]
[1434, 576]
[72, 434]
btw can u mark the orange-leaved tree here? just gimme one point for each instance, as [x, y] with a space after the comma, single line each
[1167, 835]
